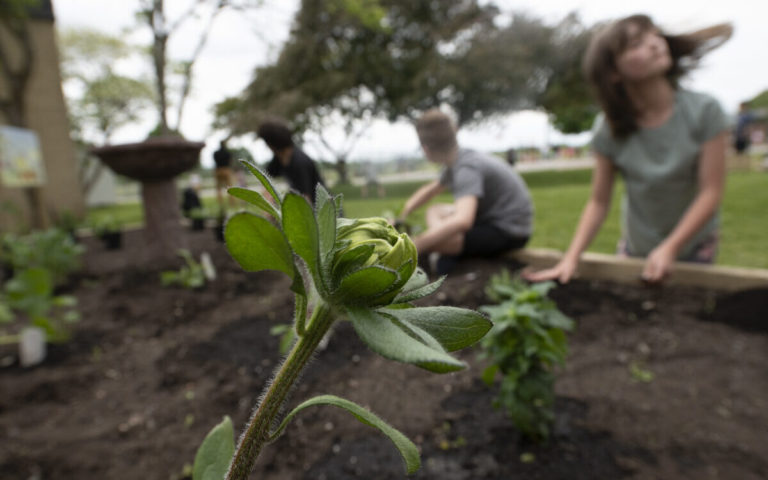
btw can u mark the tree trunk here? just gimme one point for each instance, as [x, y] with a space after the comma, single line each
[162, 222]
[159, 29]
[341, 169]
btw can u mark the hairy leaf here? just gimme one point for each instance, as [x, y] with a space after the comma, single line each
[365, 285]
[264, 179]
[407, 449]
[409, 295]
[254, 198]
[215, 453]
[300, 228]
[455, 328]
[256, 244]
[387, 339]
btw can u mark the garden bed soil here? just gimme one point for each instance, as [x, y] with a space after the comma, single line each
[150, 370]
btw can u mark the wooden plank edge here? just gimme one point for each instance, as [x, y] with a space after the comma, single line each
[600, 266]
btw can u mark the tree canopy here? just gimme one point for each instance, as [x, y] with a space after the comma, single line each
[105, 100]
[396, 58]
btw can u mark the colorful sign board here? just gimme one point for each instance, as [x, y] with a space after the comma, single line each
[21, 160]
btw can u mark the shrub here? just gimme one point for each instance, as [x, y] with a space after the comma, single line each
[191, 275]
[29, 294]
[527, 340]
[52, 250]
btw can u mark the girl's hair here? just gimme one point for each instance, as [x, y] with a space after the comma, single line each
[275, 134]
[599, 64]
[436, 131]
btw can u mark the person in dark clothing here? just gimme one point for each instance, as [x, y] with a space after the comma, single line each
[223, 172]
[741, 134]
[290, 161]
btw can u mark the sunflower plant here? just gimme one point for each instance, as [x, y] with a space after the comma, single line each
[360, 270]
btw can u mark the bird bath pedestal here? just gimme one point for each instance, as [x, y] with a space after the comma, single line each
[156, 163]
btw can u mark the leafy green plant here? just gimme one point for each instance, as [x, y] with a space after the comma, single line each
[67, 221]
[52, 250]
[200, 213]
[191, 275]
[29, 294]
[361, 270]
[527, 340]
[105, 224]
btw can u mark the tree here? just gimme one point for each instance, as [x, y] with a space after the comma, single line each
[760, 100]
[16, 57]
[397, 58]
[567, 95]
[153, 14]
[358, 60]
[99, 100]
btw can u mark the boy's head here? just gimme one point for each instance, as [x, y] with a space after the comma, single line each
[276, 135]
[437, 135]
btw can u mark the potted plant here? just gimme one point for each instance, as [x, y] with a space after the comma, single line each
[198, 216]
[108, 230]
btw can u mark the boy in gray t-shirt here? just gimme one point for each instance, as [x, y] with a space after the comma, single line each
[492, 210]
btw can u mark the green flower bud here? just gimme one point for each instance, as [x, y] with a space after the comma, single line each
[366, 242]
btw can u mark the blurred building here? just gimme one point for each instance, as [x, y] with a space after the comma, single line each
[31, 46]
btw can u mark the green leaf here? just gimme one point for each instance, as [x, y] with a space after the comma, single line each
[300, 228]
[386, 338]
[326, 223]
[455, 328]
[256, 244]
[555, 318]
[254, 198]
[350, 260]
[364, 285]
[418, 279]
[414, 294]
[263, 178]
[542, 288]
[489, 375]
[215, 453]
[407, 449]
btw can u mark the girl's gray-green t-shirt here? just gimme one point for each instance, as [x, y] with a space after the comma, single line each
[503, 199]
[660, 168]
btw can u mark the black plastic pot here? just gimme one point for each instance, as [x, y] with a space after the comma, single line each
[112, 240]
[218, 231]
[198, 224]
[6, 271]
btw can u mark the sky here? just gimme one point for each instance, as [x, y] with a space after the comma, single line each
[239, 43]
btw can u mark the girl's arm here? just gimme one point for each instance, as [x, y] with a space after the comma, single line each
[711, 185]
[592, 218]
[420, 197]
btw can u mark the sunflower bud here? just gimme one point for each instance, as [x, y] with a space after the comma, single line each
[368, 242]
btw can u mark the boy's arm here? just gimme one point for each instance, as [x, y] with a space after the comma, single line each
[458, 222]
[420, 197]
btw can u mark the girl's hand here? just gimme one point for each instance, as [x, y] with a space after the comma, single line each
[659, 263]
[562, 272]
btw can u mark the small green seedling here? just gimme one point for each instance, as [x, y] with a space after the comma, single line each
[30, 295]
[192, 274]
[360, 270]
[527, 340]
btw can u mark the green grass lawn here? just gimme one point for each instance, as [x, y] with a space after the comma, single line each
[559, 198]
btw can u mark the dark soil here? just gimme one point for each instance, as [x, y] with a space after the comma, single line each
[150, 370]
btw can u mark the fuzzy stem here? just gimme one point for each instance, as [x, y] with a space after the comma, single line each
[301, 314]
[258, 431]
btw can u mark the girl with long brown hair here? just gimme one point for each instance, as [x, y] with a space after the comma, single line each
[667, 143]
